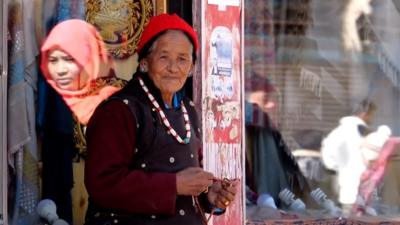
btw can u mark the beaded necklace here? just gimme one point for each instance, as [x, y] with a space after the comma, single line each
[166, 123]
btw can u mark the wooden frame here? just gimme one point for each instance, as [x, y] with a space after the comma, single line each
[160, 6]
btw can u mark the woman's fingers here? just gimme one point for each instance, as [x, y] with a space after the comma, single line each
[222, 202]
[193, 181]
[227, 193]
[225, 198]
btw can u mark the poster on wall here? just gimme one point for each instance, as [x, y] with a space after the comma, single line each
[221, 98]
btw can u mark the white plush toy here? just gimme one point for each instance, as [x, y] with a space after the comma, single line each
[374, 142]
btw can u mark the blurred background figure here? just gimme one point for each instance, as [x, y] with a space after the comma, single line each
[270, 165]
[341, 152]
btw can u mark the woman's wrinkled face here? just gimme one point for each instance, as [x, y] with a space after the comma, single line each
[170, 61]
[64, 70]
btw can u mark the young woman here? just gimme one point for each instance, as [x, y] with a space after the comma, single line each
[75, 63]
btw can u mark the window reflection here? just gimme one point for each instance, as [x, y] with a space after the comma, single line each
[307, 65]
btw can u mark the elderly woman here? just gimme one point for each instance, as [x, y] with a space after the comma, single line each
[144, 145]
[74, 62]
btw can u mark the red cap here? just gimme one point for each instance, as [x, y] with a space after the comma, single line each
[163, 22]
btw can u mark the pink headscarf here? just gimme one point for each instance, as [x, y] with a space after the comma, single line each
[83, 43]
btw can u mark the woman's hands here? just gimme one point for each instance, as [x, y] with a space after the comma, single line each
[193, 181]
[222, 193]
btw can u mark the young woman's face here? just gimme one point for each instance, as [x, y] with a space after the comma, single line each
[65, 71]
[170, 62]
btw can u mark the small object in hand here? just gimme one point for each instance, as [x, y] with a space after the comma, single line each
[227, 183]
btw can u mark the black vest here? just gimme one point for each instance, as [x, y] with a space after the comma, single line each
[157, 151]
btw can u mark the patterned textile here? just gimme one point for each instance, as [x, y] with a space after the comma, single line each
[22, 146]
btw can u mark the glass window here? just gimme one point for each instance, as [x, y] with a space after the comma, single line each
[322, 112]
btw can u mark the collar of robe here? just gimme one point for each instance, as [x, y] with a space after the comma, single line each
[166, 123]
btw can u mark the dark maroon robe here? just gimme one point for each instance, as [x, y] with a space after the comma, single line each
[132, 161]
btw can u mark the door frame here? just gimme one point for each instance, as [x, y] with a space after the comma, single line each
[3, 112]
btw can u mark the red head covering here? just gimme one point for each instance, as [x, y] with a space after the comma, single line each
[82, 42]
[163, 22]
